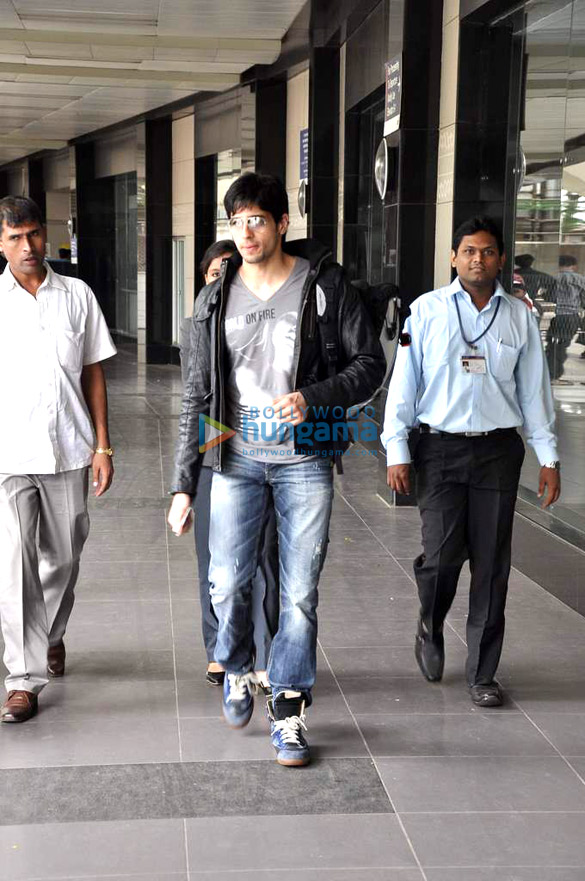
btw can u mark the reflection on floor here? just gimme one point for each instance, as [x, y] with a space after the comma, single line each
[129, 772]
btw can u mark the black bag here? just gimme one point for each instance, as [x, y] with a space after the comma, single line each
[382, 305]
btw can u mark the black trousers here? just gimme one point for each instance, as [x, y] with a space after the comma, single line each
[266, 586]
[559, 335]
[467, 488]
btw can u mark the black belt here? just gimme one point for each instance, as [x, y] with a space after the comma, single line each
[426, 429]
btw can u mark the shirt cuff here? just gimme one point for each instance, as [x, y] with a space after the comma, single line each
[546, 453]
[397, 452]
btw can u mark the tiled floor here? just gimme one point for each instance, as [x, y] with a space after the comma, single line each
[129, 772]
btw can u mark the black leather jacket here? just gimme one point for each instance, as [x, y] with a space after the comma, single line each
[360, 367]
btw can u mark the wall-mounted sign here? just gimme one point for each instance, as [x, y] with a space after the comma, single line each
[393, 95]
[304, 163]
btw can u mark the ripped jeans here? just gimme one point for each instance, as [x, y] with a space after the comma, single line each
[302, 494]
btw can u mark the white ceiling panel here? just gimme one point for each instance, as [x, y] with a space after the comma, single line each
[69, 67]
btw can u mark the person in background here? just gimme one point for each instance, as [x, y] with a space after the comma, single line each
[537, 283]
[570, 300]
[265, 593]
[469, 373]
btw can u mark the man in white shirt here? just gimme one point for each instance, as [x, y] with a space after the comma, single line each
[53, 402]
[469, 373]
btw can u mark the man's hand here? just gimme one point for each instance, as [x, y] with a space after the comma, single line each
[290, 408]
[549, 479]
[103, 470]
[179, 517]
[398, 478]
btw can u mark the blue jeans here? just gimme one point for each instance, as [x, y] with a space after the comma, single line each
[302, 495]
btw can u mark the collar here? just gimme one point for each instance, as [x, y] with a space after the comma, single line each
[456, 288]
[52, 279]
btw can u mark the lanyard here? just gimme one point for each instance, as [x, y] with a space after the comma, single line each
[471, 343]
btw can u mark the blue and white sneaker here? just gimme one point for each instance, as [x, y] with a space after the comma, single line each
[238, 699]
[287, 723]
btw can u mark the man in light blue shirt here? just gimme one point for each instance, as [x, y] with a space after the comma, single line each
[470, 371]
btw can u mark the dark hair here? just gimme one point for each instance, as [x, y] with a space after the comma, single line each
[264, 190]
[218, 249]
[478, 224]
[524, 261]
[16, 210]
[567, 260]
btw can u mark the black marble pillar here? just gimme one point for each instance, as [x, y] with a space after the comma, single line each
[36, 185]
[96, 230]
[205, 209]
[488, 118]
[271, 127]
[410, 204]
[324, 144]
[159, 242]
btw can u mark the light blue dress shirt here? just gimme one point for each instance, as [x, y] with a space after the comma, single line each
[429, 385]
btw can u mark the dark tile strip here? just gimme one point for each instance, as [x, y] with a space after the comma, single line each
[196, 789]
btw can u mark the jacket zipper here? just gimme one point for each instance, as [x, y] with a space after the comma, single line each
[218, 353]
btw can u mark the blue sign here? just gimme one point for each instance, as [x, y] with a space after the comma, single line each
[304, 163]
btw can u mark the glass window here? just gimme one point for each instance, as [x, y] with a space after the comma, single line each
[549, 253]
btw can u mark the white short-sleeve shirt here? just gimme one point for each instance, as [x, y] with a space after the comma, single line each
[45, 341]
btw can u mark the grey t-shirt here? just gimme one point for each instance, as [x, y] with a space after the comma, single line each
[260, 340]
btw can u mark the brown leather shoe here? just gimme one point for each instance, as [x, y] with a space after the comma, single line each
[19, 706]
[56, 660]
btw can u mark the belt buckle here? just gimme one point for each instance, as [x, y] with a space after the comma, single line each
[475, 433]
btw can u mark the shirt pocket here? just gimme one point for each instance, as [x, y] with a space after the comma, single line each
[70, 349]
[503, 362]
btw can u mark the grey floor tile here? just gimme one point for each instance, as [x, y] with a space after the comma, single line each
[100, 793]
[524, 839]
[174, 876]
[129, 702]
[95, 575]
[85, 741]
[473, 734]
[482, 784]
[566, 731]
[315, 875]
[561, 696]
[328, 842]
[391, 661]
[504, 873]
[382, 695]
[97, 667]
[138, 626]
[81, 849]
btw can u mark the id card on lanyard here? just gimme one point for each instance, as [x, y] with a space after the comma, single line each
[473, 364]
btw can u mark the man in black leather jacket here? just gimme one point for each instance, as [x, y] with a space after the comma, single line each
[257, 354]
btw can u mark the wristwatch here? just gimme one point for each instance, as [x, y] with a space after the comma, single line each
[556, 465]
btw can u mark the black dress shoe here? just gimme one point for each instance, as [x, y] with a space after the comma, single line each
[487, 695]
[214, 679]
[56, 660]
[429, 654]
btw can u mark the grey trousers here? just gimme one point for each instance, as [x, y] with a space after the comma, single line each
[43, 527]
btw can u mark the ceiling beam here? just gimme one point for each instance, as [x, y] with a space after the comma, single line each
[33, 143]
[187, 79]
[88, 38]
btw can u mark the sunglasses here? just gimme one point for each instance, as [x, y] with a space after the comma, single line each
[256, 221]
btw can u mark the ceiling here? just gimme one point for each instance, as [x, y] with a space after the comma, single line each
[67, 69]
